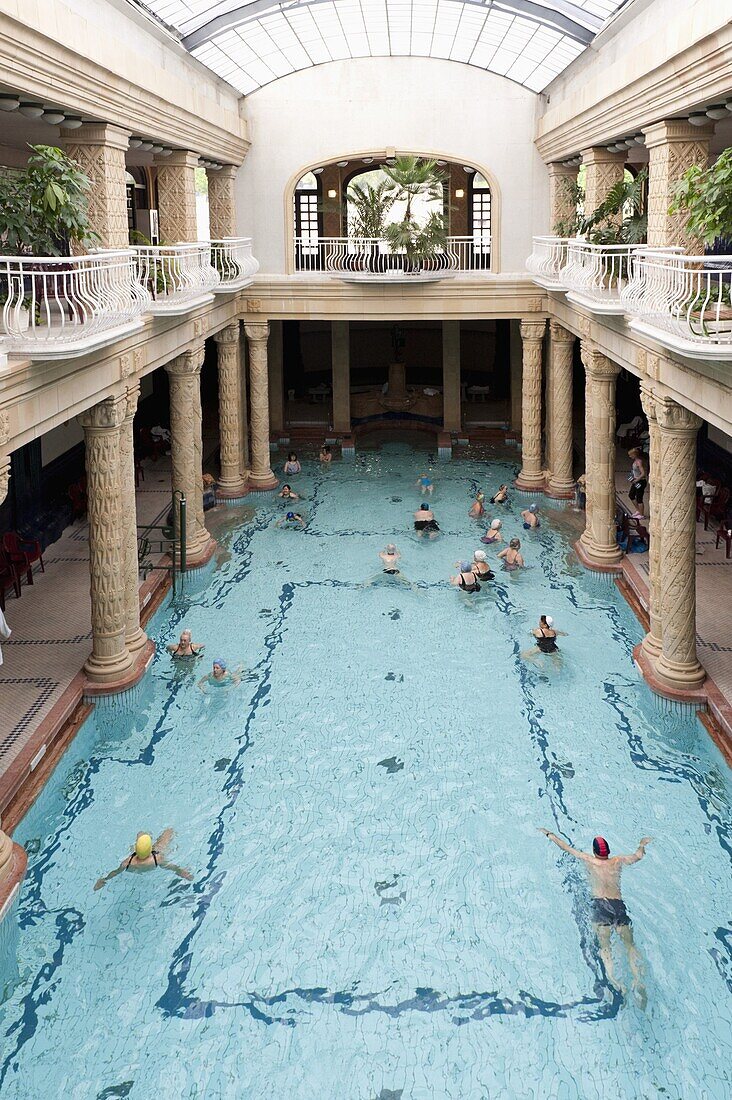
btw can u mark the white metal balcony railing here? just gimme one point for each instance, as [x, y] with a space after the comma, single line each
[595, 274]
[66, 305]
[372, 258]
[683, 301]
[177, 277]
[232, 258]
[547, 260]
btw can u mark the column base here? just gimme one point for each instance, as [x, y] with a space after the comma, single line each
[127, 678]
[604, 564]
[233, 490]
[201, 555]
[137, 641]
[262, 483]
[651, 647]
[560, 490]
[691, 693]
[530, 483]
[675, 677]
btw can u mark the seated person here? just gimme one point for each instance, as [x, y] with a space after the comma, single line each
[465, 580]
[288, 493]
[292, 519]
[501, 496]
[530, 517]
[185, 647]
[425, 522]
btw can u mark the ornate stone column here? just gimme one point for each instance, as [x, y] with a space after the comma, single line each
[515, 355]
[231, 483]
[135, 636]
[561, 205]
[532, 473]
[451, 394]
[184, 376]
[274, 367]
[340, 337]
[678, 666]
[177, 197]
[603, 170]
[653, 639]
[261, 476]
[599, 542]
[221, 205]
[100, 149]
[561, 482]
[110, 660]
[4, 455]
[673, 147]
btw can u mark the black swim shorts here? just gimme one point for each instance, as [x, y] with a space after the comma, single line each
[610, 912]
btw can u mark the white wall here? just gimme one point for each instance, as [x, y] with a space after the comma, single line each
[411, 104]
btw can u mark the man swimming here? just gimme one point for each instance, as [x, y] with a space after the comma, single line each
[425, 522]
[608, 908]
[146, 856]
[293, 520]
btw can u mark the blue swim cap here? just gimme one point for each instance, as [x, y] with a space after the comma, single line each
[464, 566]
[425, 507]
[290, 515]
[221, 663]
[532, 507]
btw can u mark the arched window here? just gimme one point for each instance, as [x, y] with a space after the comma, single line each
[308, 228]
[479, 212]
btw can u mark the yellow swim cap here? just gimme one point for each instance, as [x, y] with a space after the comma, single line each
[143, 846]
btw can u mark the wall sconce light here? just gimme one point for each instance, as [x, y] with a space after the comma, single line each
[459, 193]
[332, 194]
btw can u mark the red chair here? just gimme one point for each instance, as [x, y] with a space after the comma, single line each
[718, 508]
[23, 553]
[77, 496]
[724, 533]
[9, 578]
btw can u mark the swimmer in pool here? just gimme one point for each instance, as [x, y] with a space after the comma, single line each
[501, 496]
[292, 466]
[146, 856]
[608, 908]
[292, 519]
[530, 517]
[326, 455]
[390, 557]
[546, 640]
[425, 483]
[288, 493]
[466, 579]
[480, 566]
[185, 647]
[477, 509]
[425, 522]
[493, 535]
[219, 676]
[512, 559]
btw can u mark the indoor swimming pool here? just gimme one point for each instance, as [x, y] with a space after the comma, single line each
[373, 913]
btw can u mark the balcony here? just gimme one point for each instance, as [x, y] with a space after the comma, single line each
[372, 260]
[547, 261]
[177, 277]
[596, 274]
[233, 260]
[683, 302]
[57, 307]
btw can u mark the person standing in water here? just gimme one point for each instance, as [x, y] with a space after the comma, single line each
[390, 557]
[501, 496]
[512, 557]
[476, 508]
[608, 908]
[425, 522]
[185, 647]
[219, 676]
[147, 856]
[546, 640]
[292, 466]
[425, 484]
[530, 517]
[493, 535]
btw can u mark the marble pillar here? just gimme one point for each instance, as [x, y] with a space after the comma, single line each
[110, 660]
[673, 147]
[599, 540]
[261, 477]
[532, 472]
[244, 405]
[231, 483]
[221, 204]
[135, 637]
[99, 149]
[678, 666]
[184, 377]
[653, 640]
[515, 354]
[559, 411]
[341, 373]
[177, 197]
[275, 367]
[451, 393]
[560, 200]
[603, 170]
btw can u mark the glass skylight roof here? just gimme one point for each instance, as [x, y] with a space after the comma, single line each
[252, 42]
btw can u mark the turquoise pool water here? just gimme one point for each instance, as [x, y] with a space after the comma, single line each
[373, 913]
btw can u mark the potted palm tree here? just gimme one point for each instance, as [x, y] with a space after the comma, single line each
[415, 178]
[370, 206]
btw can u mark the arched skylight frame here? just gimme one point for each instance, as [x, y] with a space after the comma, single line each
[250, 43]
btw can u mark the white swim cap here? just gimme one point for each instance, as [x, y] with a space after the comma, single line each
[391, 548]
[496, 524]
[549, 620]
[479, 555]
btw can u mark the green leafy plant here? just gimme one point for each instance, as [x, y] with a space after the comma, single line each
[370, 206]
[44, 206]
[619, 219]
[413, 177]
[705, 196]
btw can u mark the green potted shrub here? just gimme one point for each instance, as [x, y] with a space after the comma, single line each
[370, 206]
[412, 177]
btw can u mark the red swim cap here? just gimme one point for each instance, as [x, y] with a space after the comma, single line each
[600, 847]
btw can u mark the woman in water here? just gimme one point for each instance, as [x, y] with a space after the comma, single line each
[546, 640]
[480, 566]
[425, 522]
[291, 519]
[185, 647]
[493, 535]
[477, 509]
[425, 484]
[219, 676]
[530, 518]
[292, 466]
[288, 494]
[501, 496]
[390, 557]
[512, 559]
[466, 579]
[325, 453]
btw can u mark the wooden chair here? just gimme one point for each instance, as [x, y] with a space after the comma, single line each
[25, 552]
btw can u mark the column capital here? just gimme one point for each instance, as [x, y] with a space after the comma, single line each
[132, 396]
[560, 334]
[533, 328]
[556, 168]
[181, 158]
[675, 419]
[227, 172]
[107, 415]
[228, 335]
[648, 397]
[4, 476]
[675, 129]
[257, 331]
[599, 154]
[99, 133]
[4, 427]
[190, 362]
[596, 364]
